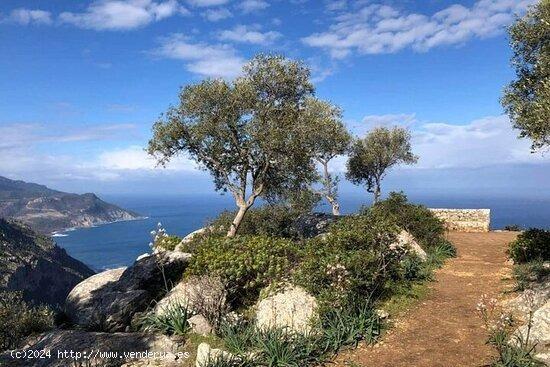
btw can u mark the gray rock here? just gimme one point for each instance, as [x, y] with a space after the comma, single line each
[206, 355]
[200, 325]
[535, 297]
[406, 240]
[540, 330]
[82, 341]
[292, 308]
[313, 224]
[203, 295]
[109, 304]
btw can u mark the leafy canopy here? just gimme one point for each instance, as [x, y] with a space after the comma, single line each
[527, 99]
[247, 133]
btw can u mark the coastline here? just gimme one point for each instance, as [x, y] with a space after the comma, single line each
[62, 232]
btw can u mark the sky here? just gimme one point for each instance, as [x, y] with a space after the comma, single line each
[82, 82]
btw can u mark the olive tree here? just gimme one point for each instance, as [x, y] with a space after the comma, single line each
[527, 99]
[247, 133]
[328, 138]
[371, 157]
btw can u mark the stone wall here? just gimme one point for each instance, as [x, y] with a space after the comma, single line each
[465, 220]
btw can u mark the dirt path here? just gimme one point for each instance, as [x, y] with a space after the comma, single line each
[443, 330]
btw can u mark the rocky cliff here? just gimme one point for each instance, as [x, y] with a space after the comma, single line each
[33, 264]
[47, 210]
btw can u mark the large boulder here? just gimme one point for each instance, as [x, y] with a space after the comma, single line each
[292, 308]
[539, 334]
[61, 342]
[313, 224]
[203, 295]
[207, 355]
[110, 301]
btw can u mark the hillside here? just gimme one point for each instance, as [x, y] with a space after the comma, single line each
[33, 264]
[46, 210]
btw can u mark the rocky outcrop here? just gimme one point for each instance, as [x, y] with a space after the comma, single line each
[33, 264]
[539, 334]
[200, 325]
[312, 224]
[113, 348]
[292, 308]
[106, 303]
[46, 210]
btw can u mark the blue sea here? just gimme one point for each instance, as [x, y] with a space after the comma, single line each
[119, 244]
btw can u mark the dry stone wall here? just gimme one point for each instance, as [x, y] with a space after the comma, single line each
[465, 220]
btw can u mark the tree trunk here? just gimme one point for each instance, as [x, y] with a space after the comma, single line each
[335, 205]
[377, 192]
[237, 220]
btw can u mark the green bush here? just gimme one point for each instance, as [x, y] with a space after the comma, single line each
[353, 261]
[19, 320]
[173, 321]
[245, 263]
[418, 220]
[532, 272]
[268, 220]
[167, 242]
[531, 245]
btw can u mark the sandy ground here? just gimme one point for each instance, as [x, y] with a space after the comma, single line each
[443, 329]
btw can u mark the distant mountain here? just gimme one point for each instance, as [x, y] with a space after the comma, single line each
[33, 264]
[46, 210]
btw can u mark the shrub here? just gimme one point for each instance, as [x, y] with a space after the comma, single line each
[246, 264]
[418, 220]
[533, 244]
[351, 262]
[18, 319]
[172, 321]
[161, 240]
[531, 272]
[268, 220]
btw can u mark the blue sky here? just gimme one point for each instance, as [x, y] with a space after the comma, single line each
[82, 82]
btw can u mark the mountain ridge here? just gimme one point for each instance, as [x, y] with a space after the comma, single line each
[47, 210]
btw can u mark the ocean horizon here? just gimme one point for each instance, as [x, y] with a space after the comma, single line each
[118, 244]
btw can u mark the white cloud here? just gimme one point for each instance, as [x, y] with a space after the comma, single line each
[215, 15]
[28, 16]
[206, 3]
[376, 28]
[390, 120]
[246, 34]
[250, 6]
[136, 158]
[122, 14]
[208, 60]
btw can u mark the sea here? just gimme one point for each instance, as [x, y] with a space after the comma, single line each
[119, 244]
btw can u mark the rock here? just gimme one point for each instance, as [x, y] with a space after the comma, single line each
[200, 325]
[33, 264]
[540, 330]
[291, 308]
[142, 256]
[203, 295]
[82, 341]
[313, 224]
[190, 236]
[533, 298]
[109, 302]
[383, 314]
[206, 355]
[405, 239]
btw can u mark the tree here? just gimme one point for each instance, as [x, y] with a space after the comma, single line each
[248, 133]
[372, 156]
[527, 99]
[327, 139]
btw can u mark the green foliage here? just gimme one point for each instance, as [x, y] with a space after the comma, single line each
[532, 244]
[353, 261]
[414, 268]
[371, 157]
[245, 263]
[267, 220]
[527, 99]
[530, 272]
[19, 320]
[167, 242]
[172, 321]
[418, 220]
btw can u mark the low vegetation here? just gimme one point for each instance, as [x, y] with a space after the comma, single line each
[529, 252]
[18, 319]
